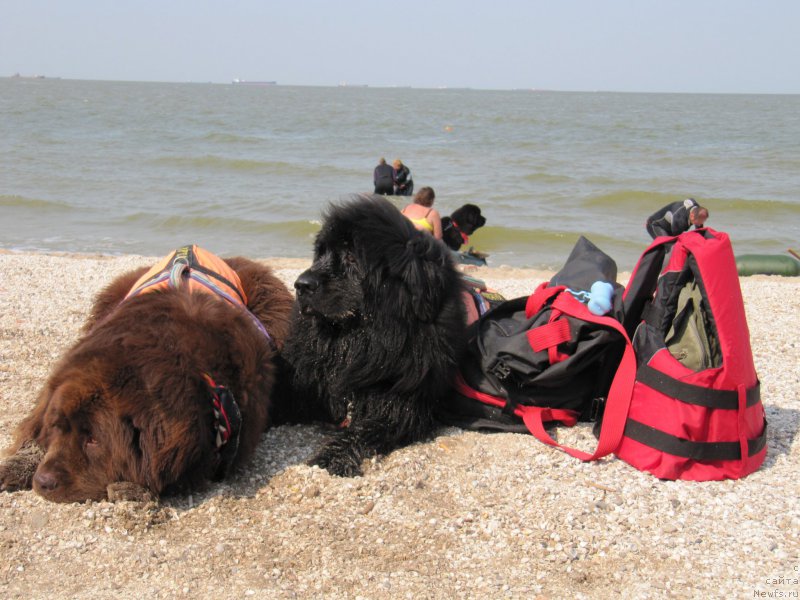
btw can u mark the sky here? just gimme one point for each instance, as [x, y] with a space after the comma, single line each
[697, 46]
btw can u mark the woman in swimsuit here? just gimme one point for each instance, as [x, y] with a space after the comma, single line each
[422, 214]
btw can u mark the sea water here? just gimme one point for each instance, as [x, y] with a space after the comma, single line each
[123, 167]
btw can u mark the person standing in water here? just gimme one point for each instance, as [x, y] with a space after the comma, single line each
[383, 178]
[403, 184]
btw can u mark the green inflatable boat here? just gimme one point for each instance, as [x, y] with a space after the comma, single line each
[767, 264]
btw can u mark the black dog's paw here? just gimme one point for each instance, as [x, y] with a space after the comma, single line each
[337, 461]
[16, 471]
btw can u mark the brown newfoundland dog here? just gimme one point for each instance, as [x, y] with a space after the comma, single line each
[377, 331]
[164, 390]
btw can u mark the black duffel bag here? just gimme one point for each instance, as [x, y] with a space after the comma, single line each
[546, 357]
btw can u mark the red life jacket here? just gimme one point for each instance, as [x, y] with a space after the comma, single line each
[696, 411]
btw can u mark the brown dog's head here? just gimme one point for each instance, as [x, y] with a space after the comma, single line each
[129, 402]
[93, 434]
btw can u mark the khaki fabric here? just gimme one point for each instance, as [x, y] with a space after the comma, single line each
[691, 339]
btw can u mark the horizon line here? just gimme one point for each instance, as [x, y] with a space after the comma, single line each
[272, 83]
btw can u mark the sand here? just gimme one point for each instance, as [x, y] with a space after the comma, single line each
[464, 515]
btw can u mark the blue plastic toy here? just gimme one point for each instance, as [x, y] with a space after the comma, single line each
[600, 297]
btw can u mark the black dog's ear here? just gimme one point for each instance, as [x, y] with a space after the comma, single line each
[420, 269]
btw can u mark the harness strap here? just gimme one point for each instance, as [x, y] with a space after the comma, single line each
[195, 274]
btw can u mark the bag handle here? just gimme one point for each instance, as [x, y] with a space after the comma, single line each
[617, 403]
[540, 296]
[564, 415]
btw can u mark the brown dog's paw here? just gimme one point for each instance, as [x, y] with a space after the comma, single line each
[121, 491]
[16, 471]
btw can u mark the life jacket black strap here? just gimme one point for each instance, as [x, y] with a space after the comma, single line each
[677, 446]
[695, 394]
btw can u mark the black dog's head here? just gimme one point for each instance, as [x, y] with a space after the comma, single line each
[468, 218]
[369, 262]
[457, 228]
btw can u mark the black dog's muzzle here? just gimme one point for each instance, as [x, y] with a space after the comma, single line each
[306, 283]
[306, 286]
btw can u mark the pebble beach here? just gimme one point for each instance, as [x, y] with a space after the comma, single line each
[464, 515]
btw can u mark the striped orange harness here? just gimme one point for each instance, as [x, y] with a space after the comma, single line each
[195, 267]
[198, 270]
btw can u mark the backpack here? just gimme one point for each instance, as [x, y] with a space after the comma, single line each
[696, 411]
[548, 358]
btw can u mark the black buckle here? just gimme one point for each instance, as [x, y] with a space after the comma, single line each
[500, 370]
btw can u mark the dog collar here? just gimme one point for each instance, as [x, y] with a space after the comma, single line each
[227, 422]
[464, 236]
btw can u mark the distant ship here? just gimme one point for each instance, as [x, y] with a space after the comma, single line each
[247, 82]
[18, 76]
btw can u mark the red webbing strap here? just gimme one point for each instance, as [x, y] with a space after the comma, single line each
[617, 403]
[540, 296]
[565, 416]
[549, 335]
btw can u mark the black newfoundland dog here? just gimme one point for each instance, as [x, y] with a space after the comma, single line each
[464, 221]
[377, 330]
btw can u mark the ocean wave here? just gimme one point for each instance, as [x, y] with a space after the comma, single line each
[760, 206]
[546, 178]
[636, 199]
[14, 201]
[227, 225]
[241, 165]
[633, 199]
[231, 138]
[543, 248]
[498, 237]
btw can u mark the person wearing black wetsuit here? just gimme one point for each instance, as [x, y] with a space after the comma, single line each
[383, 178]
[676, 218]
[403, 184]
